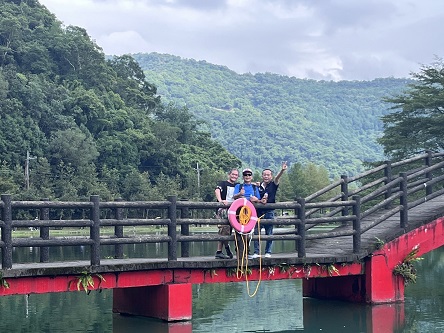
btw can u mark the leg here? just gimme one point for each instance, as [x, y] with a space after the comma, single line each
[269, 231]
[256, 242]
[222, 214]
[227, 243]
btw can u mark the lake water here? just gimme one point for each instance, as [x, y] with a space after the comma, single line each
[278, 306]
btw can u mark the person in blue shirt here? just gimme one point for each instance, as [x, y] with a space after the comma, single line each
[249, 191]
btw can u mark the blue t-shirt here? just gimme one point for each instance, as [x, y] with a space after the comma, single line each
[249, 190]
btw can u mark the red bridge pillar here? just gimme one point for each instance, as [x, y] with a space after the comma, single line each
[170, 302]
[377, 284]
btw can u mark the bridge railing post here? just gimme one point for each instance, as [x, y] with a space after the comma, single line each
[300, 243]
[357, 224]
[44, 233]
[95, 230]
[403, 200]
[172, 245]
[7, 232]
[388, 178]
[185, 231]
[428, 175]
[344, 194]
[118, 231]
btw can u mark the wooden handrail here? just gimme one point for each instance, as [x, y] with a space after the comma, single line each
[174, 217]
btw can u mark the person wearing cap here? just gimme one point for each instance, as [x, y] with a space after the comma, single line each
[267, 190]
[249, 191]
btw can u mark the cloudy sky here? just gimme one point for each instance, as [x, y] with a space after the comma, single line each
[316, 39]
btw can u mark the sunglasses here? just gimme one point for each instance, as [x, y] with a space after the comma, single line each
[247, 174]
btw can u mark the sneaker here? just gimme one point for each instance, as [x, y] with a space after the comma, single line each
[267, 255]
[221, 256]
[254, 256]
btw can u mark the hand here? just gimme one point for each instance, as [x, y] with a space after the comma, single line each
[263, 200]
[284, 165]
[254, 199]
[242, 192]
[225, 202]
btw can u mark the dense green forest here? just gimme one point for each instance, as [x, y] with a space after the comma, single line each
[74, 123]
[267, 118]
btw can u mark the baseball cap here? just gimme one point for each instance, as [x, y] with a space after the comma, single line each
[247, 171]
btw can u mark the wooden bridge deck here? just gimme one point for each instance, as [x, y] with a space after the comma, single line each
[321, 251]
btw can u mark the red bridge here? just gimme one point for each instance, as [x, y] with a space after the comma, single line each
[380, 222]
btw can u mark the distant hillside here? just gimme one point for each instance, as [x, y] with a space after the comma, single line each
[267, 118]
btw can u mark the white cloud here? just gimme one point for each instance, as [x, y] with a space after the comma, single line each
[329, 39]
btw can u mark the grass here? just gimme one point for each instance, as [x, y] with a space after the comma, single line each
[75, 231]
[68, 231]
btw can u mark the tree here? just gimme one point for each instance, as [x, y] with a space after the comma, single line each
[72, 147]
[418, 122]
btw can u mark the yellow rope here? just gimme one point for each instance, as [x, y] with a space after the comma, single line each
[244, 218]
[244, 215]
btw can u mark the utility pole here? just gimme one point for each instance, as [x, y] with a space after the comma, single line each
[28, 158]
[198, 176]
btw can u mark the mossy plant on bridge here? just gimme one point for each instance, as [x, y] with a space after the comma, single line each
[238, 271]
[3, 282]
[287, 268]
[86, 281]
[379, 243]
[406, 268]
[212, 272]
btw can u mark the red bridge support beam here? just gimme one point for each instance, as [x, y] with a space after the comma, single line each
[169, 302]
[378, 284]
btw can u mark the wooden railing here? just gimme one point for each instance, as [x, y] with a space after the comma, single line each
[352, 198]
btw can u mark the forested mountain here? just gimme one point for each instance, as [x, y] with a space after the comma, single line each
[267, 118]
[79, 124]
[74, 122]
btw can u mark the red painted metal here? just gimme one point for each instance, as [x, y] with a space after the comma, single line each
[382, 285]
[48, 284]
[378, 284]
[171, 302]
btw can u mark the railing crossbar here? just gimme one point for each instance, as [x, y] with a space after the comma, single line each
[420, 183]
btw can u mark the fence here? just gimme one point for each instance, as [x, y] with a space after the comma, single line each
[388, 194]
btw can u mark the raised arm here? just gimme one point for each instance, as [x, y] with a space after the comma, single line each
[278, 176]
